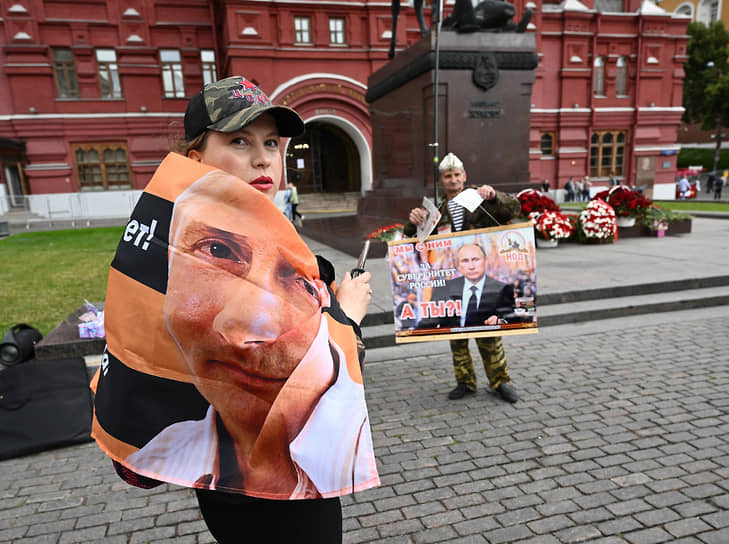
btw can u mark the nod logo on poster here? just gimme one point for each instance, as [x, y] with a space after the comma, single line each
[513, 246]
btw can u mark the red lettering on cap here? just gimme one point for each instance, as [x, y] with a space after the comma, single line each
[246, 84]
[236, 93]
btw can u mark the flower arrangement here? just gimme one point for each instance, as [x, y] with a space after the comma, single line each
[533, 201]
[625, 201]
[551, 225]
[597, 222]
[388, 233]
[657, 218]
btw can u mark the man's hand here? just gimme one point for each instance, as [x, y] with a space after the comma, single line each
[487, 192]
[354, 295]
[418, 216]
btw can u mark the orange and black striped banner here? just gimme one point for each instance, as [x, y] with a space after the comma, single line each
[229, 363]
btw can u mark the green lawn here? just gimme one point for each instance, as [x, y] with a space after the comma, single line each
[697, 206]
[47, 275]
[686, 206]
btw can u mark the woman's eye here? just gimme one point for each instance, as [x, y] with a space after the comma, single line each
[272, 143]
[240, 141]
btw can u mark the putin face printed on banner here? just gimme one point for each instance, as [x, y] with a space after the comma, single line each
[471, 262]
[240, 314]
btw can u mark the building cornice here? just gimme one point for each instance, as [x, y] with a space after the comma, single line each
[70, 116]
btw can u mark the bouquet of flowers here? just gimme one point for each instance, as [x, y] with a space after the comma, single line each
[388, 233]
[625, 201]
[597, 222]
[533, 201]
[551, 225]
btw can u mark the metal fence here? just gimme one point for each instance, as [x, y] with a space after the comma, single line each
[71, 210]
[66, 210]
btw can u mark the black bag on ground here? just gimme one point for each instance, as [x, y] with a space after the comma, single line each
[44, 404]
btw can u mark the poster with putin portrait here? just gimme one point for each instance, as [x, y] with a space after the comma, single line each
[466, 284]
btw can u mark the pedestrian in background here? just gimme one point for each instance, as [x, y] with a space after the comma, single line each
[718, 186]
[296, 217]
[586, 186]
[570, 188]
[683, 187]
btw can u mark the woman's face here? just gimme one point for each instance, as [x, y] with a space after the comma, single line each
[242, 317]
[251, 153]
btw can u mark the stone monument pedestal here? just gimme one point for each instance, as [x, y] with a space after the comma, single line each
[484, 97]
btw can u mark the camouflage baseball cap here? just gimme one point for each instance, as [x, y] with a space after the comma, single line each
[232, 103]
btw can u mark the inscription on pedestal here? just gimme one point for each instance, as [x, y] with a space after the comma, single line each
[485, 110]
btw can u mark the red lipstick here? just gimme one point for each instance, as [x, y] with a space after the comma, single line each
[262, 183]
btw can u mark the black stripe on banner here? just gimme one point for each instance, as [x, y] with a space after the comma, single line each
[142, 251]
[134, 407]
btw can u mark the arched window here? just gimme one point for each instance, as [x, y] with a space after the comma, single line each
[598, 77]
[621, 77]
[685, 9]
[546, 143]
[102, 166]
[607, 153]
[708, 11]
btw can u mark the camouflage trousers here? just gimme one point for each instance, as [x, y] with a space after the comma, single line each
[494, 361]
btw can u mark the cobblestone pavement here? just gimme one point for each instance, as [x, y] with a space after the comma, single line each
[622, 436]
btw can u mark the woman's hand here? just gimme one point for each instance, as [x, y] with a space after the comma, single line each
[354, 295]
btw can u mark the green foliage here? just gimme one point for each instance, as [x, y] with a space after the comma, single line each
[657, 214]
[706, 85]
[47, 275]
[694, 156]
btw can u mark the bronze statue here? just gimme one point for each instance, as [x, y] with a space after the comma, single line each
[488, 15]
[395, 8]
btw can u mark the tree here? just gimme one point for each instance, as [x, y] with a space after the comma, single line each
[706, 85]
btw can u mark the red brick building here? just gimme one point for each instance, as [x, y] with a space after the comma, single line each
[92, 92]
[608, 94]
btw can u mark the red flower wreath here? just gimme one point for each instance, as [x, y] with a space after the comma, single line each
[625, 201]
[390, 232]
[533, 201]
[552, 225]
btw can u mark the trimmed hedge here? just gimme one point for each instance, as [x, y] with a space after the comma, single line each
[694, 156]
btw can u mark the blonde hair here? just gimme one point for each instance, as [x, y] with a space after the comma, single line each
[450, 162]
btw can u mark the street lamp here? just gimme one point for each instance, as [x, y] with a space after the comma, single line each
[719, 134]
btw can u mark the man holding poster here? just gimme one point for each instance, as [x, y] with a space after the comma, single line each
[496, 209]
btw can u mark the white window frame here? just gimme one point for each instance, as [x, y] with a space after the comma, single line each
[598, 77]
[106, 63]
[302, 30]
[209, 66]
[173, 82]
[337, 31]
